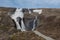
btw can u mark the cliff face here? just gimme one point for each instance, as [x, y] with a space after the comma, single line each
[48, 24]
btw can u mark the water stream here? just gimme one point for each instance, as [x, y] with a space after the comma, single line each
[18, 13]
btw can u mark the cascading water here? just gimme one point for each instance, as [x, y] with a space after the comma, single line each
[18, 18]
[22, 25]
[18, 13]
[29, 11]
[34, 23]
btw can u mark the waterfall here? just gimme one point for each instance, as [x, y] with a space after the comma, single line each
[22, 25]
[29, 11]
[18, 13]
[34, 23]
[17, 24]
[35, 20]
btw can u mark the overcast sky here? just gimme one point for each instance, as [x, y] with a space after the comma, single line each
[30, 3]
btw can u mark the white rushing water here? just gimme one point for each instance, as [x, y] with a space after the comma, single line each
[18, 13]
[29, 11]
[34, 23]
[23, 26]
